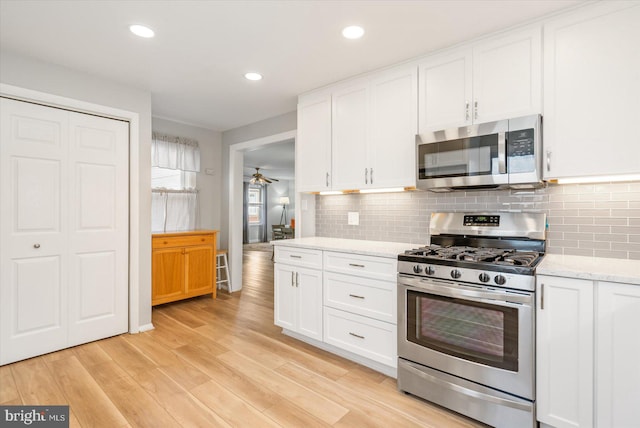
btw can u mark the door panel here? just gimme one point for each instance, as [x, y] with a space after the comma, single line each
[37, 197]
[168, 274]
[199, 270]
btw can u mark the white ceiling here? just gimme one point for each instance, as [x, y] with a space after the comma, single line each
[194, 66]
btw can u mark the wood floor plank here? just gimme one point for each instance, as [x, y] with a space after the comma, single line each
[89, 402]
[318, 405]
[288, 414]
[126, 356]
[36, 383]
[9, 394]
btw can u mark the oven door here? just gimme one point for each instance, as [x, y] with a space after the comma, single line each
[469, 156]
[481, 334]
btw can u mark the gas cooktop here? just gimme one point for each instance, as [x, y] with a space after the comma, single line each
[499, 256]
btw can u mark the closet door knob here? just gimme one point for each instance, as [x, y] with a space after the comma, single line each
[36, 245]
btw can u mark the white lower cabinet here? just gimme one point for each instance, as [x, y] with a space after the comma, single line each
[298, 297]
[588, 348]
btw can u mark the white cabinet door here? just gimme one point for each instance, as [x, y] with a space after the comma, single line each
[309, 288]
[64, 227]
[591, 91]
[564, 379]
[349, 135]
[617, 355]
[445, 92]
[507, 76]
[284, 308]
[393, 127]
[313, 145]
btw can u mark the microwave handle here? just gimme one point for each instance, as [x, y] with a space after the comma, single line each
[502, 153]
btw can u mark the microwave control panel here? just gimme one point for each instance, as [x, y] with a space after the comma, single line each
[521, 151]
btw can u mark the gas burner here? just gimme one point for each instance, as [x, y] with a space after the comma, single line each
[501, 256]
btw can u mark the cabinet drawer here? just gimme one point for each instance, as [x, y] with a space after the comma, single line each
[357, 264]
[299, 256]
[363, 296]
[182, 241]
[364, 336]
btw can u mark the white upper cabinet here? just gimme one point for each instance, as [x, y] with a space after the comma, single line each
[592, 91]
[393, 128]
[495, 79]
[313, 148]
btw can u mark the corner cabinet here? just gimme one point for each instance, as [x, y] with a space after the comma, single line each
[494, 79]
[298, 291]
[588, 348]
[183, 265]
[359, 134]
[591, 91]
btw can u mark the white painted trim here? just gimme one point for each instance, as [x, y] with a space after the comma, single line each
[133, 118]
[146, 327]
[236, 158]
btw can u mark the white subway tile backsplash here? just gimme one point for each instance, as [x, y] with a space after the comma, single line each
[584, 219]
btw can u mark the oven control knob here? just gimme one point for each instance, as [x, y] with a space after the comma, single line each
[429, 270]
[500, 280]
[455, 274]
[484, 277]
[417, 269]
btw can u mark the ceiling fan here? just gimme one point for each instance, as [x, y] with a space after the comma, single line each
[258, 178]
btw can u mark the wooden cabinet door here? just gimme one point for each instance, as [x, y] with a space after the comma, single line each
[617, 355]
[445, 91]
[564, 378]
[393, 127]
[313, 145]
[591, 91]
[349, 136]
[199, 270]
[168, 275]
[507, 76]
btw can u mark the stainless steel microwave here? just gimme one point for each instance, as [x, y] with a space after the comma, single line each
[493, 155]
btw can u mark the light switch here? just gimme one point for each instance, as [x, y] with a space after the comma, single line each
[353, 218]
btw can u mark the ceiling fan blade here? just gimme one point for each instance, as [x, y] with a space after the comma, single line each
[267, 180]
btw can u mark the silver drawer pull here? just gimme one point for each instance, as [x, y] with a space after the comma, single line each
[356, 335]
[356, 265]
[356, 296]
[295, 257]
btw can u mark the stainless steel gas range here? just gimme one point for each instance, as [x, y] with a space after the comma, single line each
[466, 315]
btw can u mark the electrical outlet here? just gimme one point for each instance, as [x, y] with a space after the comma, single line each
[210, 171]
[353, 218]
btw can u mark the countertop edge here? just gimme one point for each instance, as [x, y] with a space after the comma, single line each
[352, 246]
[591, 268]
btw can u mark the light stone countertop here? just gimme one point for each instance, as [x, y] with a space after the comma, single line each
[591, 268]
[353, 246]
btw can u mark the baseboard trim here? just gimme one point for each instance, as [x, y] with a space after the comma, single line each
[146, 327]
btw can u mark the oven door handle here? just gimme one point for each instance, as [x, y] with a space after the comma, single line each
[466, 391]
[461, 291]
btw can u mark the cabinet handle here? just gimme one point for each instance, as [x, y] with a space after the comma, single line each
[541, 296]
[371, 176]
[548, 161]
[466, 111]
[366, 176]
[356, 335]
[356, 296]
[475, 109]
[356, 265]
[36, 246]
[327, 180]
[297, 279]
[294, 256]
[292, 283]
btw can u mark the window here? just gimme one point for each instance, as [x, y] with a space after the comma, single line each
[174, 203]
[255, 204]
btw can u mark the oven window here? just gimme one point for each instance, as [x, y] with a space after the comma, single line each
[474, 331]
[459, 158]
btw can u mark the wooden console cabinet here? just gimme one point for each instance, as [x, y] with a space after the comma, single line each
[183, 265]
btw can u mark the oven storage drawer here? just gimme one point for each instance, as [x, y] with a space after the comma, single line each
[373, 339]
[303, 257]
[357, 264]
[362, 296]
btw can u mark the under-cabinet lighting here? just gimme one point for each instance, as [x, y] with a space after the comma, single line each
[599, 179]
[141, 31]
[387, 190]
[331, 192]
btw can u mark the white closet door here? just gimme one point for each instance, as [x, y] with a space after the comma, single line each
[48, 277]
[98, 228]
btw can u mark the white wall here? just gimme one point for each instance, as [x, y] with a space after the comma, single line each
[210, 186]
[39, 76]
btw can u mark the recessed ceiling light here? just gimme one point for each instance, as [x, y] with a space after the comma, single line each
[142, 31]
[253, 76]
[353, 32]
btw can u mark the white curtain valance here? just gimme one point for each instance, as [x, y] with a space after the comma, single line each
[172, 152]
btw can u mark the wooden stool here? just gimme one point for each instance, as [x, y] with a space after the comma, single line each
[222, 263]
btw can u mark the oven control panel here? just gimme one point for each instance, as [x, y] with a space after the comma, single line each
[481, 220]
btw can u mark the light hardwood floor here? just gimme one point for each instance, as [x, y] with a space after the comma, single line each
[215, 363]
